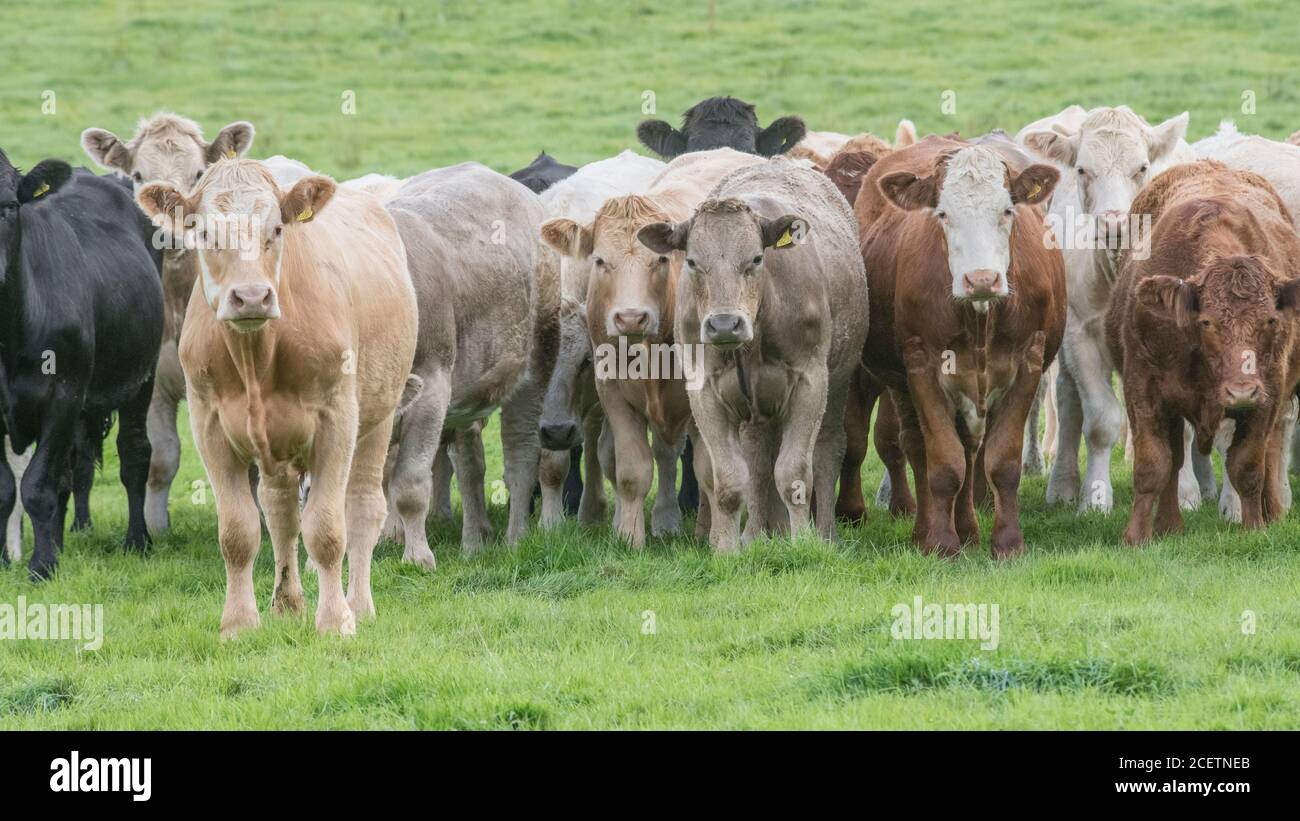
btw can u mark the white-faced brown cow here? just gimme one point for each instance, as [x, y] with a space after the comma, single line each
[297, 347]
[774, 303]
[630, 301]
[1204, 330]
[967, 309]
[169, 149]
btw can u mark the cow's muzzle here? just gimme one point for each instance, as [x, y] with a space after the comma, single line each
[1242, 395]
[983, 284]
[634, 323]
[726, 329]
[249, 307]
[558, 435]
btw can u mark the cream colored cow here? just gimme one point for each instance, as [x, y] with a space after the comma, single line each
[297, 347]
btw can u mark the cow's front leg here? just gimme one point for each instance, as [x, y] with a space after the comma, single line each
[239, 529]
[850, 506]
[1063, 481]
[592, 508]
[134, 454]
[165, 455]
[759, 442]
[365, 514]
[324, 519]
[1152, 461]
[411, 485]
[893, 493]
[467, 458]
[40, 487]
[730, 472]
[666, 516]
[1101, 420]
[794, 461]
[521, 451]
[1247, 464]
[1169, 514]
[1003, 447]
[633, 466]
[945, 455]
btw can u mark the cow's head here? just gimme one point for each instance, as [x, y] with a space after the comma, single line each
[1240, 318]
[974, 197]
[725, 244]
[166, 148]
[629, 287]
[721, 122]
[1113, 154]
[570, 393]
[847, 168]
[18, 189]
[238, 220]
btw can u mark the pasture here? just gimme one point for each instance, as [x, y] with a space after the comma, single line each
[573, 630]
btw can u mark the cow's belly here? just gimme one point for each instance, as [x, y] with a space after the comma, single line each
[967, 402]
[771, 385]
[663, 403]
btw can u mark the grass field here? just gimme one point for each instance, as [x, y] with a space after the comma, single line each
[556, 635]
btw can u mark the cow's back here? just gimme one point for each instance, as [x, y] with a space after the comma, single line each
[471, 241]
[687, 180]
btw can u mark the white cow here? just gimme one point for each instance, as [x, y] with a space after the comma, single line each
[1279, 163]
[578, 197]
[1105, 157]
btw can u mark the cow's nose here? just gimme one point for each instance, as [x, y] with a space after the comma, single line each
[558, 435]
[981, 284]
[726, 328]
[631, 322]
[250, 303]
[1241, 395]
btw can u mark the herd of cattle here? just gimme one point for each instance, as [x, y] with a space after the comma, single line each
[342, 345]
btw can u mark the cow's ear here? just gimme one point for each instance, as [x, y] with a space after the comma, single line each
[568, 237]
[661, 138]
[780, 136]
[1164, 138]
[905, 134]
[43, 180]
[165, 205]
[232, 142]
[665, 237]
[908, 191]
[307, 197]
[1288, 295]
[1034, 184]
[785, 231]
[106, 149]
[1177, 299]
[1063, 148]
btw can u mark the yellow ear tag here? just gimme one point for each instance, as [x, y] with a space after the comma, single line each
[305, 215]
[785, 239]
[230, 155]
[1034, 192]
[45, 187]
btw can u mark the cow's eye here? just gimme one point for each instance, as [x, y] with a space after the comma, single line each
[278, 230]
[136, 176]
[198, 176]
[1008, 211]
[941, 215]
[690, 263]
[598, 262]
[758, 260]
[1143, 169]
[1081, 170]
[1205, 323]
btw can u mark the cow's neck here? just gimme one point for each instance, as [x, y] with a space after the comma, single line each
[253, 355]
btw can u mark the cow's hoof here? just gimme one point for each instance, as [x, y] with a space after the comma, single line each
[1230, 507]
[1064, 493]
[137, 543]
[41, 571]
[362, 606]
[287, 603]
[337, 620]
[1135, 536]
[236, 622]
[1033, 466]
[420, 557]
[81, 524]
[1008, 544]
[667, 522]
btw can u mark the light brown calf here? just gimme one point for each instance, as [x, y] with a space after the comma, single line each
[631, 294]
[297, 346]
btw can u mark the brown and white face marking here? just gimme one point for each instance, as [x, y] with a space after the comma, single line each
[1240, 317]
[974, 198]
[1114, 154]
[166, 148]
[236, 219]
[629, 287]
[725, 244]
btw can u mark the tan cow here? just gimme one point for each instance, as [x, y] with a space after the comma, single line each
[296, 349]
[631, 293]
[775, 301]
[169, 149]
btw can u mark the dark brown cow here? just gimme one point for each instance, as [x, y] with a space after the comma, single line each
[1203, 328]
[967, 309]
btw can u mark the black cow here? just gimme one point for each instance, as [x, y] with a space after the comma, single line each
[80, 326]
[542, 173]
[721, 122]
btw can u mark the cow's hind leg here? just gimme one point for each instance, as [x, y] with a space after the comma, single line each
[88, 451]
[1031, 456]
[134, 454]
[521, 451]
[666, 515]
[40, 488]
[828, 456]
[467, 457]
[278, 496]
[850, 506]
[411, 483]
[365, 515]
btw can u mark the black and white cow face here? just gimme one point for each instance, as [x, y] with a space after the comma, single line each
[721, 122]
[18, 189]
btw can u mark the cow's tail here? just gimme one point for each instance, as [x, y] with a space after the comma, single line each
[410, 392]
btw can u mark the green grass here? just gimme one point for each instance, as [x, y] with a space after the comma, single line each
[1092, 634]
